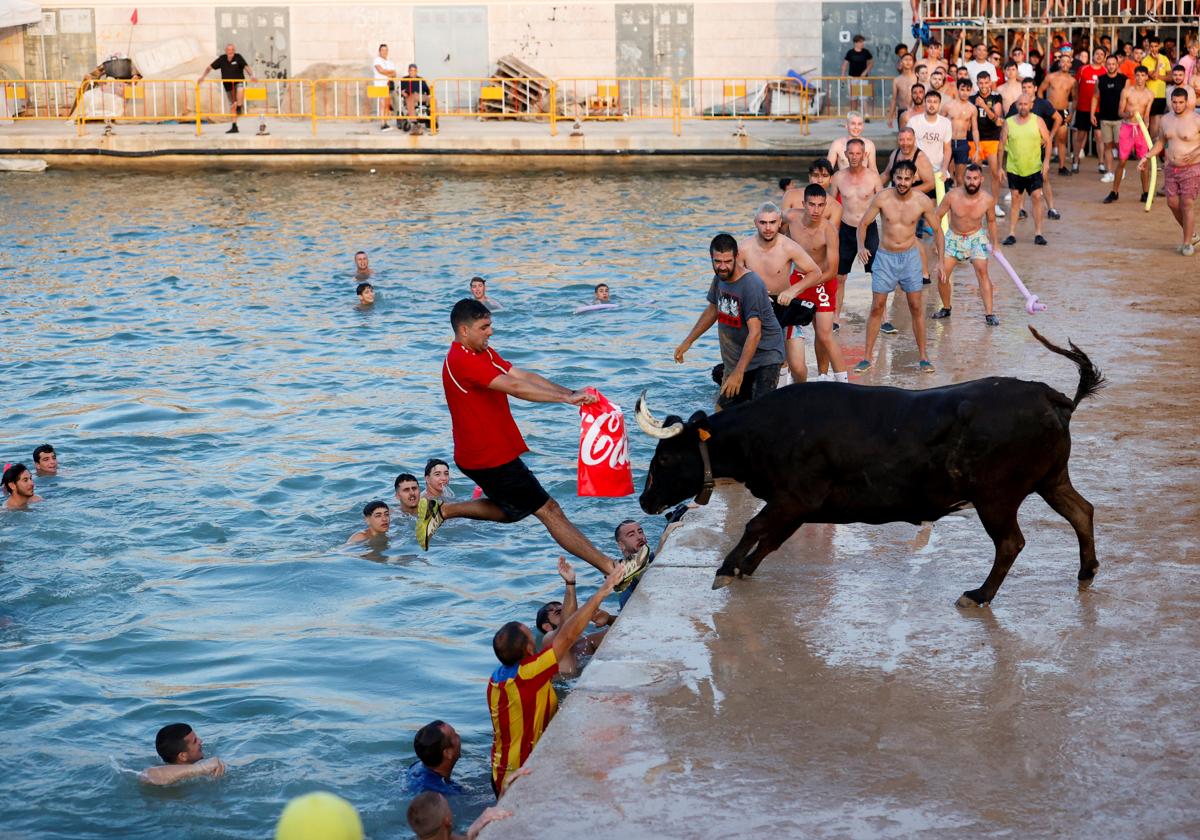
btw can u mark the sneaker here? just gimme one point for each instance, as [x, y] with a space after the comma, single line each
[1022, 214]
[1040, 240]
[1008, 198]
[1009, 240]
[944, 312]
[836, 326]
[385, 127]
[925, 366]
[887, 329]
[1101, 168]
[1053, 214]
[1188, 249]
[1108, 178]
[1000, 214]
[1062, 170]
[1145, 195]
[991, 320]
[925, 281]
[1110, 198]
[429, 519]
[1151, 18]
[634, 567]
[233, 129]
[862, 367]
[1074, 166]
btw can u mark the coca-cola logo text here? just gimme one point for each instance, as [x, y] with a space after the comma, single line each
[604, 440]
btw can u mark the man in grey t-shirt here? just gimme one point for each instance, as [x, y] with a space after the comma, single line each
[750, 336]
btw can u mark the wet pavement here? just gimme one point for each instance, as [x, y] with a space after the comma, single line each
[840, 693]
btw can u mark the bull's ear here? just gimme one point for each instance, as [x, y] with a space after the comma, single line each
[698, 423]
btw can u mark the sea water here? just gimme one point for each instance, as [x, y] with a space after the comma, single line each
[222, 409]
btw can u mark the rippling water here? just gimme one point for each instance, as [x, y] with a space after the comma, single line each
[222, 410]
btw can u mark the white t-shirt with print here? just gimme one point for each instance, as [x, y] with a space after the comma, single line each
[932, 137]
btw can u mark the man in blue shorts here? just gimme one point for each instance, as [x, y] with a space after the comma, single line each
[488, 445]
[898, 260]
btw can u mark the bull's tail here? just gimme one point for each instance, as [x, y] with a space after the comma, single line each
[1091, 379]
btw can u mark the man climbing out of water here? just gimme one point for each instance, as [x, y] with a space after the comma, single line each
[520, 697]
[378, 517]
[897, 261]
[856, 185]
[819, 239]
[970, 208]
[488, 445]
[631, 538]
[408, 493]
[554, 614]
[778, 261]
[750, 336]
[182, 753]
[18, 484]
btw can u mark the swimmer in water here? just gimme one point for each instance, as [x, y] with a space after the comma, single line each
[366, 294]
[601, 294]
[45, 460]
[437, 481]
[361, 269]
[479, 292]
[379, 518]
[430, 818]
[182, 753]
[18, 484]
[408, 493]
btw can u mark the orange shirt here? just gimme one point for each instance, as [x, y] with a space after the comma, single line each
[522, 702]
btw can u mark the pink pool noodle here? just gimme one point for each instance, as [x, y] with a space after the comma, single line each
[1031, 300]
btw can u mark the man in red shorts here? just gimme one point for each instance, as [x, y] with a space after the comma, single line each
[810, 229]
[1179, 134]
[488, 445]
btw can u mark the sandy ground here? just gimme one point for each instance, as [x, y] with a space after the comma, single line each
[840, 693]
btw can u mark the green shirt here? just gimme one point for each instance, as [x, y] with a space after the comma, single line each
[1023, 148]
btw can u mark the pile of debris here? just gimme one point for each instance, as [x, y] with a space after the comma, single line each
[521, 90]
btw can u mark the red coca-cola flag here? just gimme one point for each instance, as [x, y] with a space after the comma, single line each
[603, 450]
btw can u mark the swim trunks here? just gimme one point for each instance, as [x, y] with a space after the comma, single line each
[824, 295]
[848, 246]
[1025, 183]
[1083, 121]
[967, 246]
[1131, 140]
[986, 148]
[1158, 106]
[511, 486]
[960, 151]
[1065, 113]
[1182, 181]
[894, 268]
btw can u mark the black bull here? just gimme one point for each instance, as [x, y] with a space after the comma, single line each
[831, 452]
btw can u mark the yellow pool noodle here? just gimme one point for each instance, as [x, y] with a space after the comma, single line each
[1153, 161]
[939, 191]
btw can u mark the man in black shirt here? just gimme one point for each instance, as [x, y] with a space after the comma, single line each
[415, 92]
[1053, 119]
[1106, 114]
[234, 71]
[858, 63]
[986, 146]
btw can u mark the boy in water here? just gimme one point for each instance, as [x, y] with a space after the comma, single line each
[379, 518]
[182, 753]
[366, 294]
[18, 484]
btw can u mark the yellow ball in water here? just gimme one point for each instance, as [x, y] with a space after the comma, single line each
[319, 816]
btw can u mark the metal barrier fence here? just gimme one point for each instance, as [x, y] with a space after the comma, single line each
[37, 99]
[836, 96]
[148, 100]
[496, 98]
[741, 98]
[261, 99]
[1009, 11]
[616, 98]
[361, 99]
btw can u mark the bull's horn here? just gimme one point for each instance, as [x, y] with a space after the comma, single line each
[652, 426]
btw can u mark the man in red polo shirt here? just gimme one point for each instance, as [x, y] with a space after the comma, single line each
[488, 445]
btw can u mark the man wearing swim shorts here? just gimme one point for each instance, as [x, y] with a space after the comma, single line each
[1135, 99]
[1025, 151]
[856, 185]
[989, 118]
[970, 207]
[1059, 89]
[819, 239]
[1179, 136]
[963, 127]
[897, 262]
[906, 149]
[488, 445]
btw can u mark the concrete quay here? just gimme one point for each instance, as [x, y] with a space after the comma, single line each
[459, 143]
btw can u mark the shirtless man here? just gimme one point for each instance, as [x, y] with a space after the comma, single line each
[821, 174]
[408, 493]
[917, 104]
[1179, 135]
[1059, 88]
[1010, 91]
[906, 149]
[812, 232]
[964, 127]
[790, 202]
[902, 91]
[182, 753]
[937, 80]
[554, 614]
[18, 484]
[1134, 100]
[856, 185]
[378, 517]
[854, 130]
[362, 267]
[969, 206]
[897, 261]
[933, 56]
[775, 259]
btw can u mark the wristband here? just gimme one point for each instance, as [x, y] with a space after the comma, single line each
[571, 583]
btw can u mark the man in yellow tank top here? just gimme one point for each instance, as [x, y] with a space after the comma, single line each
[1025, 156]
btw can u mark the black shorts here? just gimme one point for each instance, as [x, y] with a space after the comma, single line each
[1025, 183]
[848, 246]
[1083, 121]
[1158, 106]
[231, 88]
[511, 486]
[756, 383]
[960, 151]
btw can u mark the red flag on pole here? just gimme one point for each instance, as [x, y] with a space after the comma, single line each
[133, 18]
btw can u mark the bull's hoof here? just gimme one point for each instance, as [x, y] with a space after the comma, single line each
[1086, 583]
[1086, 576]
[965, 601]
[721, 581]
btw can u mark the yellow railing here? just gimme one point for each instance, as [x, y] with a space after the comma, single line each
[360, 99]
[262, 99]
[147, 100]
[616, 98]
[496, 99]
[741, 98]
[37, 99]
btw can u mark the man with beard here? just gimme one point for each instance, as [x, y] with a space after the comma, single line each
[854, 130]
[856, 185]
[778, 261]
[1023, 138]
[906, 149]
[1179, 136]
[1059, 90]
[969, 207]
[897, 261]
[1106, 115]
